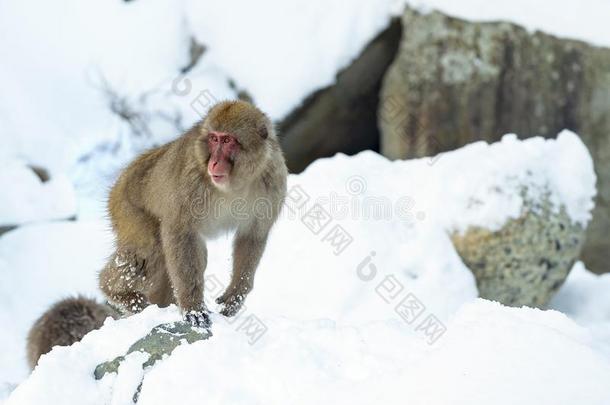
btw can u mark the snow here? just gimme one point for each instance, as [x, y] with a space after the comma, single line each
[283, 39]
[583, 297]
[489, 354]
[499, 355]
[29, 199]
[336, 316]
[585, 20]
[66, 64]
[57, 58]
[40, 264]
[490, 190]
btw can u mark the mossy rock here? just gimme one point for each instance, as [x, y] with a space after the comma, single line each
[526, 261]
[160, 342]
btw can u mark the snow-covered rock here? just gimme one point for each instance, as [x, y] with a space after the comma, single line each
[526, 260]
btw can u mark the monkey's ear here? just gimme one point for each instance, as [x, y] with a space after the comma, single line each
[262, 131]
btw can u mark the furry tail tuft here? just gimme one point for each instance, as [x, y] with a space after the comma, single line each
[66, 322]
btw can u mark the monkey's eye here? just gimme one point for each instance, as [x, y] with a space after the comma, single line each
[226, 140]
[213, 138]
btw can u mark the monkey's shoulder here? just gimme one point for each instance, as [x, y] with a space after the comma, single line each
[273, 177]
[132, 182]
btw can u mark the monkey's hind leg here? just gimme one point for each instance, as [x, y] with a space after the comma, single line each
[123, 282]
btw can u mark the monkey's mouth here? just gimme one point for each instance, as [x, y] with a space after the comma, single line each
[219, 178]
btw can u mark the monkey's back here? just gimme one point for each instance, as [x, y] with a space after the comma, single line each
[132, 223]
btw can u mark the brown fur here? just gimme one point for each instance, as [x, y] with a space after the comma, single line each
[165, 202]
[65, 323]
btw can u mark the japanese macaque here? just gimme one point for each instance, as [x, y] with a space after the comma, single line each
[64, 323]
[214, 178]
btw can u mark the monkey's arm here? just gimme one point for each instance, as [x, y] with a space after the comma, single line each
[248, 247]
[186, 259]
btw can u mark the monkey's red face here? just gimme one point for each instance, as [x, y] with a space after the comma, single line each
[224, 148]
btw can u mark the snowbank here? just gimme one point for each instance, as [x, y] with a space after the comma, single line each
[489, 354]
[489, 182]
[373, 301]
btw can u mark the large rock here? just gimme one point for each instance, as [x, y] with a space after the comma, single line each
[342, 117]
[454, 82]
[526, 261]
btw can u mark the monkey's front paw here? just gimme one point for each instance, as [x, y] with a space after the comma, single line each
[199, 318]
[231, 303]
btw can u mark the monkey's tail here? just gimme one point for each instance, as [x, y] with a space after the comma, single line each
[66, 322]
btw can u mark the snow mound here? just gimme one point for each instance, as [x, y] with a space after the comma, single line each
[489, 182]
[395, 217]
[25, 198]
[499, 355]
[523, 355]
